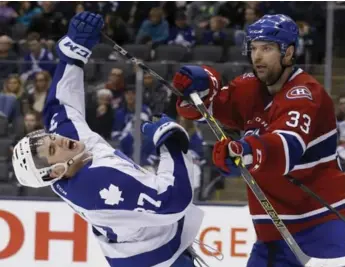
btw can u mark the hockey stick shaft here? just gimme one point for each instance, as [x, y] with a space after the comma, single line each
[219, 133]
[213, 125]
[315, 196]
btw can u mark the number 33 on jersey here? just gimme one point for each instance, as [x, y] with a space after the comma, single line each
[295, 121]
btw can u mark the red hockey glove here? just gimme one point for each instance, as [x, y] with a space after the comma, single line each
[224, 153]
[189, 79]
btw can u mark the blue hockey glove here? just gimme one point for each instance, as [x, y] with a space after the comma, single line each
[83, 34]
[164, 131]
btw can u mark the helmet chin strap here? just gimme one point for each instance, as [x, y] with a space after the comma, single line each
[69, 162]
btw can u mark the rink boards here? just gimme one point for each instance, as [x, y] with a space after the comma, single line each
[50, 234]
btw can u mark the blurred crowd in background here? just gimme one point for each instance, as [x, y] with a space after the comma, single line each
[165, 34]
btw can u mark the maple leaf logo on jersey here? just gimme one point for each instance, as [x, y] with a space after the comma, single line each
[112, 196]
[299, 92]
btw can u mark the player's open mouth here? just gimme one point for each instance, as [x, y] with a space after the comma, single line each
[72, 145]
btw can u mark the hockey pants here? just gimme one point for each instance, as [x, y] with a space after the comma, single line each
[326, 240]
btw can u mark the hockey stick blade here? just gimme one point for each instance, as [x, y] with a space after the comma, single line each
[304, 259]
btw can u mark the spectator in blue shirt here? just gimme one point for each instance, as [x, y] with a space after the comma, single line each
[215, 35]
[9, 107]
[154, 30]
[124, 114]
[181, 33]
[27, 11]
[39, 58]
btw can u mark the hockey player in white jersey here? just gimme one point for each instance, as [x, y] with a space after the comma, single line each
[140, 219]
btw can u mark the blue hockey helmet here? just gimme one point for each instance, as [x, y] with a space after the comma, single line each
[279, 29]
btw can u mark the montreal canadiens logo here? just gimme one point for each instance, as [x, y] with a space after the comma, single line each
[299, 92]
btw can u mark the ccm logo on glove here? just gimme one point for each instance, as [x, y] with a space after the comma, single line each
[76, 49]
[73, 50]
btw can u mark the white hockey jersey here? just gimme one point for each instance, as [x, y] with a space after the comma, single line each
[140, 219]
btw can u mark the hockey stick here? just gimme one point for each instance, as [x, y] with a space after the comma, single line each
[304, 259]
[315, 196]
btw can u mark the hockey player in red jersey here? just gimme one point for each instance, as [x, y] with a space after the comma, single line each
[290, 128]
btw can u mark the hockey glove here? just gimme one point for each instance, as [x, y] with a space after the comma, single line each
[166, 131]
[225, 152]
[83, 34]
[189, 79]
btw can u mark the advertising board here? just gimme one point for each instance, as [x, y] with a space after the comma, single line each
[50, 234]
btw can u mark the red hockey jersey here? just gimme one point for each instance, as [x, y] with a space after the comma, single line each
[293, 132]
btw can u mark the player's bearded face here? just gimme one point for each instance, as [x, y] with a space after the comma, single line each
[266, 61]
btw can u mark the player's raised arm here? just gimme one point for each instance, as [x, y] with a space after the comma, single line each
[66, 102]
